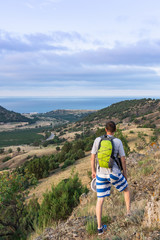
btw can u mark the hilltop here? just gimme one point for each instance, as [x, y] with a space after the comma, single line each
[139, 111]
[7, 116]
[67, 115]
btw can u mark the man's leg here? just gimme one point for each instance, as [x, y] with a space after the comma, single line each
[99, 211]
[127, 199]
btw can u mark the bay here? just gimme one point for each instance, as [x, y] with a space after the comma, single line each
[41, 105]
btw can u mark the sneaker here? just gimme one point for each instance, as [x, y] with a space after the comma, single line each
[100, 231]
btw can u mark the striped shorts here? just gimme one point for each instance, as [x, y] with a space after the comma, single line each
[103, 184]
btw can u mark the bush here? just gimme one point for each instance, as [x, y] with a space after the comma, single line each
[38, 166]
[13, 207]
[10, 150]
[18, 149]
[67, 163]
[131, 131]
[6, 159]
[60, 201]
[1, 150]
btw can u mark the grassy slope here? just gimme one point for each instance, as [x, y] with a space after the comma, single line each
[143, 177]
[83, 165]
[10, 116]
[129, 109]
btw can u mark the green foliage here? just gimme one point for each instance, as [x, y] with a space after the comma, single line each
[11, 203]
[18, 149]
[148, 125]
[124, 109]
[19, 137]
[106, 219]
[91, 226]
[120, 135]
[39, 167]
[31, 214]
[147, 170]
[68, 115]
[58, 148]
[67, 163]
[6, 159]
[1, 150]
[10, 116]
[10, 150]
[131, 131]
[60, 201]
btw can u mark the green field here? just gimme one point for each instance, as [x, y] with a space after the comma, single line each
[20, 137]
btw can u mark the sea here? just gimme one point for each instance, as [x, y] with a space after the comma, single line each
[42, 105]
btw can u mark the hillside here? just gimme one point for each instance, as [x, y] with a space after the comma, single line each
[7, 116]
[142, 112]
[54, 163]
[67, 115]
[143, 178]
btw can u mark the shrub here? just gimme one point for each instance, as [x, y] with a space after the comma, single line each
[38, 166]
[18, 149]
[91, 226]
[1, 150]
[67, 163]
[10, 150]
[13, 207]
[58, 148]
[6, 159]
[131, 131]
[60, 201]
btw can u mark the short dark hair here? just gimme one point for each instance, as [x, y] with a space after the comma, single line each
[111, 126]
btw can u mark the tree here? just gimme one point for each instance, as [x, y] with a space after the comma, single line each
[18, 149]
[10, 150]
[58, 149]
[11, 203]
[16, 218]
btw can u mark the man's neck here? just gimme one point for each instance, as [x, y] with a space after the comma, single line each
[110, 133]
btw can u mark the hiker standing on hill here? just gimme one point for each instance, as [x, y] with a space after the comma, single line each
[108, 173]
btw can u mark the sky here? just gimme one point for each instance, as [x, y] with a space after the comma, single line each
[84, 48]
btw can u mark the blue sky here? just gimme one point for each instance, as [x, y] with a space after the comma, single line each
[79, 48]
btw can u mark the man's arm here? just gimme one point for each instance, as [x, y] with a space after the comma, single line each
[123, 160]
[93, 157]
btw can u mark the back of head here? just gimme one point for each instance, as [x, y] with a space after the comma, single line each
[111, 126]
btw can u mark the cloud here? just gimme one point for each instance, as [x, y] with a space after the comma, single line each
[45, 61]
[38, 41]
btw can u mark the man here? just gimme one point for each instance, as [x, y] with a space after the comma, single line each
[105, 177]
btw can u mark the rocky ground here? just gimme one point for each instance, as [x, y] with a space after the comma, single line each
[144, 223]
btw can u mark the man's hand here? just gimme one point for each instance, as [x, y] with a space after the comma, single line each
[93, 174]
[123, 160]
[125, 175]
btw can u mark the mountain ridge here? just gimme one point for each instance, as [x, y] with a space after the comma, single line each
[7, 116]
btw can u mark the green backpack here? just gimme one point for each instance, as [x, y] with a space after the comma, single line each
[106, 152]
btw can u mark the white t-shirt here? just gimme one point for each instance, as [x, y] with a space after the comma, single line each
[118, 150]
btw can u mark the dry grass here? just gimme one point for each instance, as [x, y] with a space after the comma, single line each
[21, 157]
[133, 137]
[81, 166]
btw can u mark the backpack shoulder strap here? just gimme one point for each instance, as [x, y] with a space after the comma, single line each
[102, 138]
